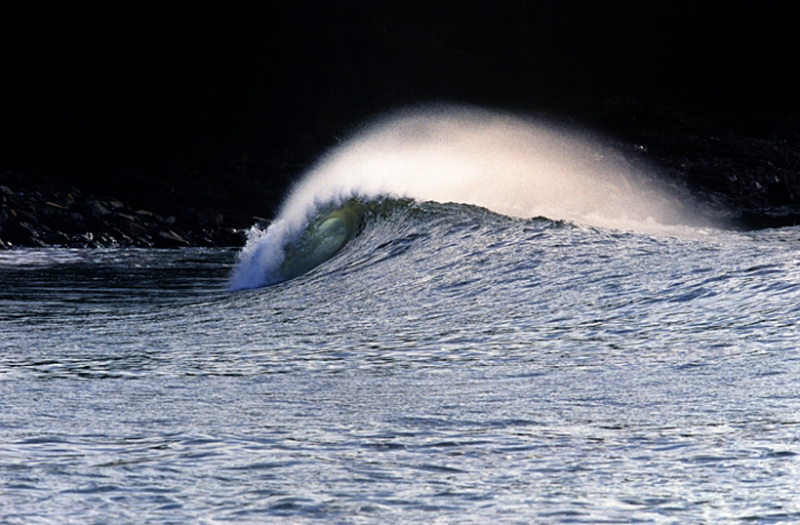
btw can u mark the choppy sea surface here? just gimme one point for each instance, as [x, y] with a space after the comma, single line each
[447, 365]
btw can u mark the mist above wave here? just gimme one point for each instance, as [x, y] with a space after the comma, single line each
[510, 164]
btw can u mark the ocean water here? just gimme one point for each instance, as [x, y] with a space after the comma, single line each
[449, 364]
[443, 362]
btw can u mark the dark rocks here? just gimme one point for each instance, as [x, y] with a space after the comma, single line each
[56, 238]
[20, 232]
[768, 218]
[39, 212]
[169, 239]
[779, 193]
[753, 178]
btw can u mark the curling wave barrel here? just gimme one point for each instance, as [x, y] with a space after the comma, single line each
[321, 240]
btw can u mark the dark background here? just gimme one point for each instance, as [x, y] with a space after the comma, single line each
[221, 106]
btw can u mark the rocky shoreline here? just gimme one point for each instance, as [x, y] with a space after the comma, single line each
[41, 212]
[753, 179]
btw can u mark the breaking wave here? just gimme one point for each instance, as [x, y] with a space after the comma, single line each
[512, 165]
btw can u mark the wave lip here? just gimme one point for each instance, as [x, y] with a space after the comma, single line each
[283, 251]
[508, 164]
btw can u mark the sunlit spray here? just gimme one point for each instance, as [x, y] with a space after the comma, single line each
[509, 164]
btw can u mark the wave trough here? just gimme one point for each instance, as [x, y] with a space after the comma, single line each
[509, 164]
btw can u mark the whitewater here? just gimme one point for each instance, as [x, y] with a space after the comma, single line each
[467, 337]
[510, 164]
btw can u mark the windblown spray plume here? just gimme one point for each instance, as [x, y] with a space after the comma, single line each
[509, 164]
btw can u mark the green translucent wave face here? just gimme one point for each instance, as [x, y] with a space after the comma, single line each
[322, 239]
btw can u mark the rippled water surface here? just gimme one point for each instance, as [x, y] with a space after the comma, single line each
[449, 364]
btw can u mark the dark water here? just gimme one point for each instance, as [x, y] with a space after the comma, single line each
[448, 366]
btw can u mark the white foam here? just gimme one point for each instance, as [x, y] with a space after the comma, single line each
[509, 164]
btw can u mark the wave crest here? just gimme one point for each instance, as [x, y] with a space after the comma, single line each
[509, 164]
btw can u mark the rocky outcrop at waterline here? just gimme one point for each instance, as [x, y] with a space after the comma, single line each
[754, 179]
[40, 212]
